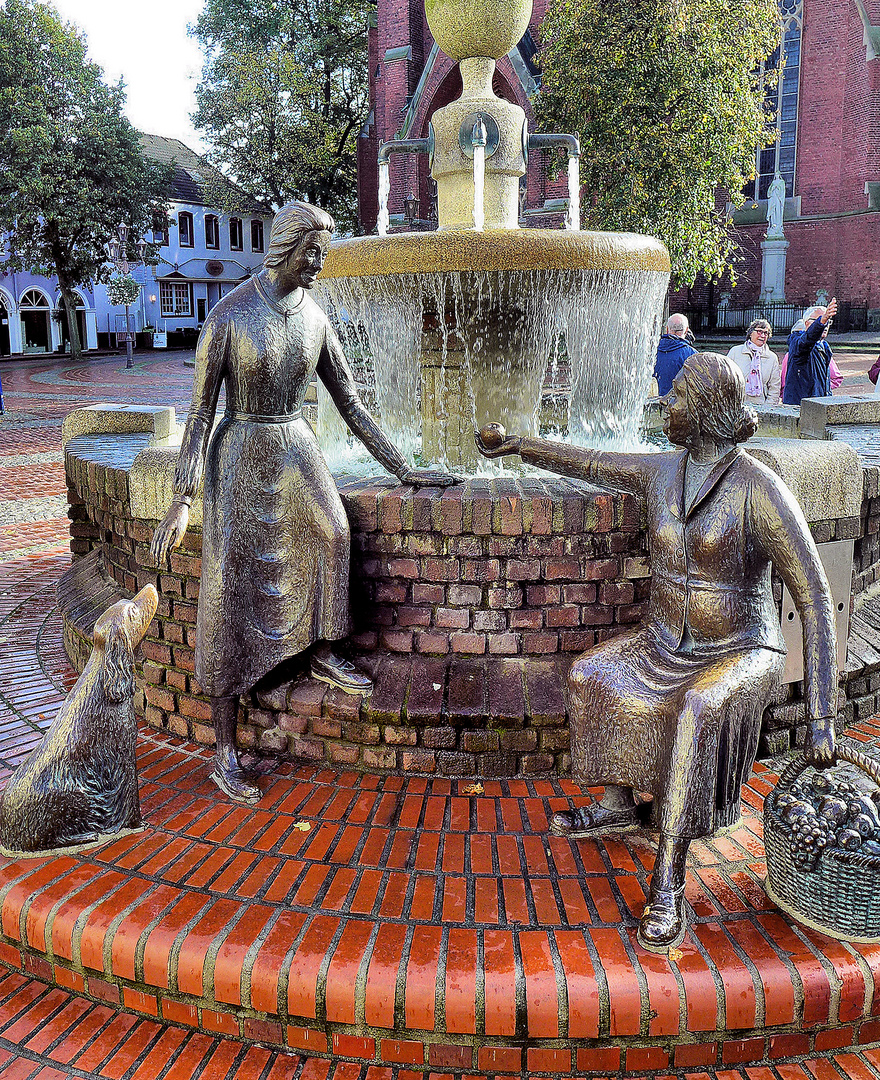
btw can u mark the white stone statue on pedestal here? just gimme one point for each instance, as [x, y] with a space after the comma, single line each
[775, 207]
[774, 245]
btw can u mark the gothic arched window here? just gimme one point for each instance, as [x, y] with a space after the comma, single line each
[781, 105]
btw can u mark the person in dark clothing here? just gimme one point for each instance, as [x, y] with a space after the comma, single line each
[809, 357]
[672, 351]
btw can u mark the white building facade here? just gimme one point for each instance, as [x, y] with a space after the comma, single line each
[203, 254]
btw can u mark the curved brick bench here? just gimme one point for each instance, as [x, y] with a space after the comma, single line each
[420, 923]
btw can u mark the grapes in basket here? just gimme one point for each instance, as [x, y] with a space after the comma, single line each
[822, 811]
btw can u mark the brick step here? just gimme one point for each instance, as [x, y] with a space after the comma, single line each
[426, 924]
[48, 1033]
[430, 922]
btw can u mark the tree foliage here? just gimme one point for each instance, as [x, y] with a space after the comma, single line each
[282, 97]
[71, 167]
[669, 104]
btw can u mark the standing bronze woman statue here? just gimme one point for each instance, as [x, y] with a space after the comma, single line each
[275, 538]
[674, 707]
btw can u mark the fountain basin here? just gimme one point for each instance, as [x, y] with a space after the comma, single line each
[461, 327]
[493, 249]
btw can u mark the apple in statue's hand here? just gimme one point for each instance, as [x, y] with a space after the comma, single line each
[492, 436]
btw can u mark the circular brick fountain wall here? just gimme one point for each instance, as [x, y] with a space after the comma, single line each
[468, 607]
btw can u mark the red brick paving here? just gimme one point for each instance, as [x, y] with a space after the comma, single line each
[418, 925]
[77, 1039]
[412, 921]
[38, 395]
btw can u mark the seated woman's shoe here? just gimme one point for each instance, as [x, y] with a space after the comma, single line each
[235, 784]
[593, 821]
[662, 925]
[341, 674]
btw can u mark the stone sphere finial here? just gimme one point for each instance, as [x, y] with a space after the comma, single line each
[466, 28]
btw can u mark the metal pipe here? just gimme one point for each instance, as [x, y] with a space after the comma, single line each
[396, 146]
[546, 141]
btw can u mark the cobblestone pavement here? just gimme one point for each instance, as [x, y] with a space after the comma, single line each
[38, 395]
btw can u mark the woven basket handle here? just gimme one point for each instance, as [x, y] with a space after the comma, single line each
[867, 764]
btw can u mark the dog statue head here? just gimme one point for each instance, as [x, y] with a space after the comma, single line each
[117, 633]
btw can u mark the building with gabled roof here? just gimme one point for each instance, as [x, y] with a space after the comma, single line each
[203, 254]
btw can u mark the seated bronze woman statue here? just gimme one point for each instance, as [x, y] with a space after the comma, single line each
[674, 706]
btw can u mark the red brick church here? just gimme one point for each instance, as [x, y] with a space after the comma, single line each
[410, 78]
[827, 154]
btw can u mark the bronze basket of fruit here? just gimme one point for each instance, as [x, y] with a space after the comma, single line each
[822, 838]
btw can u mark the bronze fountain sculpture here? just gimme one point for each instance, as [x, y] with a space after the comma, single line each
[275, 539]
[673, 708]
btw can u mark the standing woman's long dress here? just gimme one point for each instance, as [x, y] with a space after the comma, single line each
[275, 537]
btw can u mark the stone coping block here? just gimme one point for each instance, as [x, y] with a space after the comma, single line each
[824, 477]
[773, 420]
[113, 419]
[151, 485]
[817, 414]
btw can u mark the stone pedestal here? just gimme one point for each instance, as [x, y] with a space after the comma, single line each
[773, 254]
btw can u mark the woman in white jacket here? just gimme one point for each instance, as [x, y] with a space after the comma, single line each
[759, 365]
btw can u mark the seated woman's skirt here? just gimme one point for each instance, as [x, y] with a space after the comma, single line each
[684, 728]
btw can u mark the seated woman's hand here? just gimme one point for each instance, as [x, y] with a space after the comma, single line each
[819, 748]
[428, 478]
[493, 441]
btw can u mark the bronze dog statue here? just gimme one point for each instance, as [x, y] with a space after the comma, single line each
[80, 784]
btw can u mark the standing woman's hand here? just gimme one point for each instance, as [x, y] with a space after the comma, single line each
[170, 530]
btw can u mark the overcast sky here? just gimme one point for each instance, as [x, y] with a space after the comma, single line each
[148, 46]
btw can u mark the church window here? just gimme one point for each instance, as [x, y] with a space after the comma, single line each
[781, 103]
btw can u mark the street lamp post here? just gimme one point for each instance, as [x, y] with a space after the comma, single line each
[118, 252]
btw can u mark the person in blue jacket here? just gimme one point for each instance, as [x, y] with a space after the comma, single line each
[809, 357]
[672, 351]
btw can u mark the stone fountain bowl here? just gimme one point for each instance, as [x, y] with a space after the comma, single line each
[493, 250]
[462, 326]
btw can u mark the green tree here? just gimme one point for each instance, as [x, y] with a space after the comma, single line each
[282, 97]
[670, 107]
[70, 165]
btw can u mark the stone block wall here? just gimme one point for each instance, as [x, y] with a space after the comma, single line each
[866, 557]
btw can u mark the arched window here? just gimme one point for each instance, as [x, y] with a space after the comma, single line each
[160, 229]
[185, 228]
[212, 231]
[235, 236]
[781, 104]
[36, 331]
[33, 298]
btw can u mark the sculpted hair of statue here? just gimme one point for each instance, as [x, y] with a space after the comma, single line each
[716, 388]
[291, 223]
